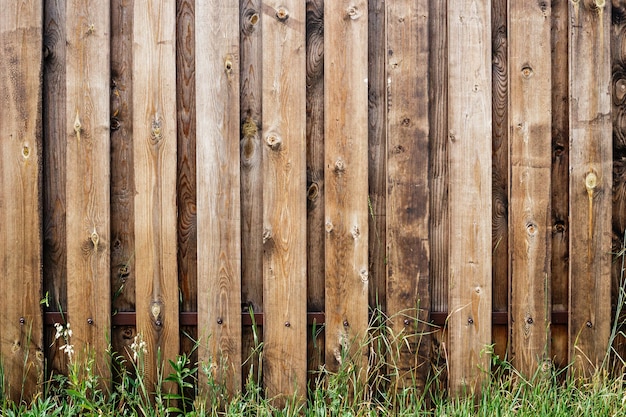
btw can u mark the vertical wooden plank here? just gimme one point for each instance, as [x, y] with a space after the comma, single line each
[122, 178]
[530, 158]
[88, 174]
[186, 168]
[500, 166]
[315, 175]
[154, 153]
[345, 98]
[284, 195]
[20, 202]
[54, 139]
[469, 156]
[408, 298]
[251, 157]
[590, 182]
[217, 173]
[438, 151]
[618, 62]
[559, 281]
[377, 152]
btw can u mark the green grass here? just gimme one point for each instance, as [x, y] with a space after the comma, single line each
[346, 392]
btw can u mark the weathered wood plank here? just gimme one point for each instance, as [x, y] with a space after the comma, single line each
[559, 281]
[469, 158]
[590, 182]
[315, 174]
[54, 160]
[284, 198]
[346, 208]
[530, 228]
[88, 177]
[20, 198]
[408, 243]
[251, 157]
[217, 173]
[122, 179]
[377, 152]
[438, 151]
[154, 154]
[500, 166]
[186, 167]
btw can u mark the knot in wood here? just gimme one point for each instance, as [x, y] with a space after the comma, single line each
[591, 181]
[527, 71]
[364, 275]
[353, 12]
[273, 141]
[228, 66]
[282, 14]
[155, 132]
[329, 226]
[340, 166]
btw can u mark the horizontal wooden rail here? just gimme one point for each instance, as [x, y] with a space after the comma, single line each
[438, 318]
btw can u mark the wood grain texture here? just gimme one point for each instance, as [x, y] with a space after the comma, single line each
[21, 343]
[315, 176]
[500, 166]
[377, 152]
[54, 161]
[122, 178]
[88, 177]
[284, 198]
[590, 183]
[559, 281]
[154, 155]
[186, 167]
[408, 244]
[251, 157]
[469, 158]
[315, 153]
[346, 205]
[217, 173]
[438, 152]
[529, 226]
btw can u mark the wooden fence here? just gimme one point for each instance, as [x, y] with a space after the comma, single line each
[165, 171]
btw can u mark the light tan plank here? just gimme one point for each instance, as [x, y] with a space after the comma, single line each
[346, 205]
[217, 173]
[469, 158]
[284, 198]
[88, 177]
[530, 229]
[154, 145]
[408, 243]
[21, 342]
[590, 182]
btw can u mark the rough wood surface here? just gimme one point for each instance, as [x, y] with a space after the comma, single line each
[408, 245]
[315, 173]
[284, 198]
[154, 154]
[529, 189]
[186, 178]
[251, 156]
[122, 181]
[500, 166]
[346, 205]
[559, 281]
[590, 183]
[217, 173]
[469, 158]
[88, 177]
[21, 346]
[438, 151]
[377, 152]
[54, 160]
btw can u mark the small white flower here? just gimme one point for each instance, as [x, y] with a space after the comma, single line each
[68, 350]
[138, 346]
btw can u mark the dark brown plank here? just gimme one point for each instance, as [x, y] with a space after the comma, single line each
[559, 281]
[54, 125]
[122, 174]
